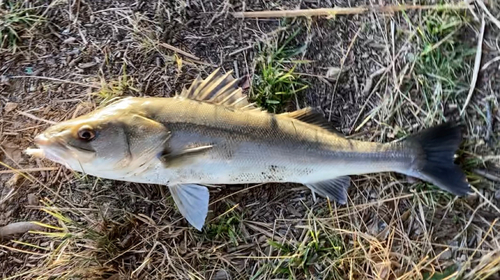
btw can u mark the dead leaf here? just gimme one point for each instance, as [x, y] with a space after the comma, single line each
[18, 228]
[32, 199]
[383, 269]
[333, 72]
[13, 152]
[221, 275]
[13, 181]
[69, 40]
[87, 65]
[10, 106]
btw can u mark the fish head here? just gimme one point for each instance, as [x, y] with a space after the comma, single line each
[109, 143]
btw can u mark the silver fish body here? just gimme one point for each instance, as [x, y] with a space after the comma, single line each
[257, 147]
[210, 134]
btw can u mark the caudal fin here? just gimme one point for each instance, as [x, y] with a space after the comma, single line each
[435, 162]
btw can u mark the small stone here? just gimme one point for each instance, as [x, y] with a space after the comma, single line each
[12, 182]
[87, 65]
[69, 40]
[497, 195]
[4, 80]
[446, 255]
[10, 106]
[462, 258]
[333, 72]
[410, 56]
[221, 275]
[32, 199]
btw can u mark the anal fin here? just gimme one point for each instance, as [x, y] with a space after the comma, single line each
[192, 201]
[335, 189]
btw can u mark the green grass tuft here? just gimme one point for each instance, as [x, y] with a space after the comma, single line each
[442, 69]
[14, 21]
[275, 81]
[316, 248]
[226, 228]
[113, 90]
[75, 250]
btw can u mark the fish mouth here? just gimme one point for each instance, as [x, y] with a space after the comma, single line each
[38, 153]
[44, 153]
[48, 149]
[56, 149]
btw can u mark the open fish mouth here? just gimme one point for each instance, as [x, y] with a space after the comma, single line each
[39, 153]
[48, 149]
[43, 154]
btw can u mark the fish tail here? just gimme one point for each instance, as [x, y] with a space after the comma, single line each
[434, 161]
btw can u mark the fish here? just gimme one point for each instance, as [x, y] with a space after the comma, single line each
[211, 134]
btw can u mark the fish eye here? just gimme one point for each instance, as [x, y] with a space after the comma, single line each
[86, 133]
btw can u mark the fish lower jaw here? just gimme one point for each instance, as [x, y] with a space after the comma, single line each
[38, 153]
[42, 154]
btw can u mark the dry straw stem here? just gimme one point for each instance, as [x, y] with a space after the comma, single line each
[175, 49]
[347, 11]
[477, 65]
[39, 169]
[492, 18]
[55, 80]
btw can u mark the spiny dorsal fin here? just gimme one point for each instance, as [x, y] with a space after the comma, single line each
[312, 116]
[220, 89]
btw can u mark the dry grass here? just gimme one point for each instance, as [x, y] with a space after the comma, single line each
[381, 76]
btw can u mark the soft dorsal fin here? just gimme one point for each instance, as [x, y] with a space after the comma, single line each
[312, 116]
[220, 89]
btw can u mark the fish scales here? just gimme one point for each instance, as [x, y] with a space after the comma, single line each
[272, 148]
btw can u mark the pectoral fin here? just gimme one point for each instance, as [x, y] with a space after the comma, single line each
[335, 189]
[192, 201]
[186, 156]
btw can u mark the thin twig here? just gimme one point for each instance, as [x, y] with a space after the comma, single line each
[489, 121]
[39, 169]
[488, 64]
[345, 11]
[487, 175]
[342, 62]
[175, 49]
[35, 117]
[477, 65]
[485, 199]
[55, 80]
[492, 18]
